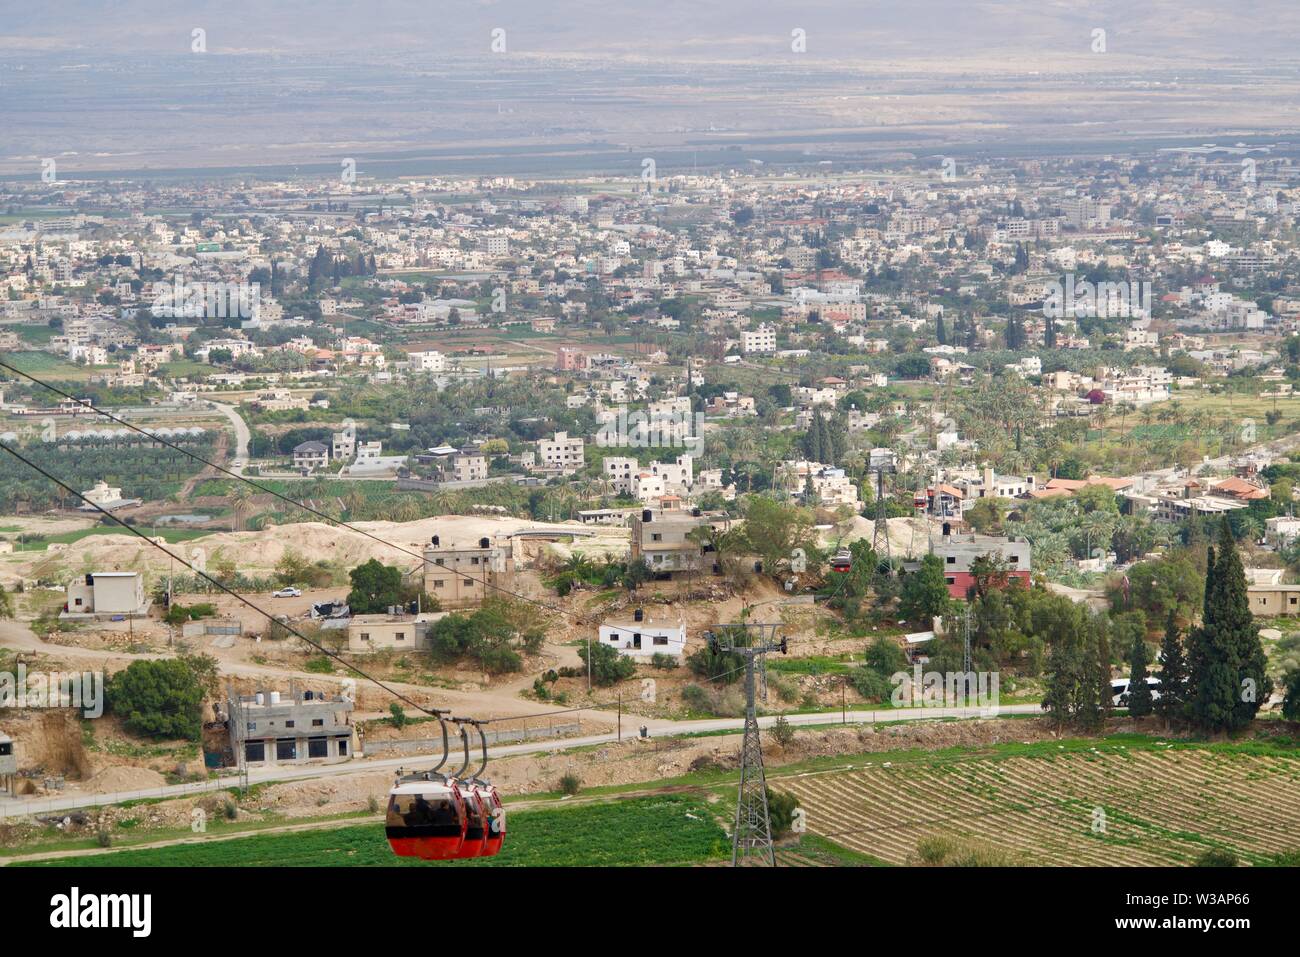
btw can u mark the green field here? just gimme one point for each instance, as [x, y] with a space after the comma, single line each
[653, 831]
[47, 366]
[170, 535]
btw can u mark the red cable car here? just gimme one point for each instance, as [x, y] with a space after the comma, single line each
[842, 561]
[475, 830]
[427, 815]
[493, 809]
[476, 811]
[496, 811]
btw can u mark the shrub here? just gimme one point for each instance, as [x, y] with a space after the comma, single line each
[940, 850]
[570, 784]
[161, 699]
[1217, 857]
[397, 716]
[780, 811]
[782, 731]
[663, 662]
[607, 665]
[871, 684]
[696, 698]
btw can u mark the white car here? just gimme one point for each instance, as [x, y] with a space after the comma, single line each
[289, 592]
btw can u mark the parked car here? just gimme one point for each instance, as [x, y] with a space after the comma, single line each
[289, 592]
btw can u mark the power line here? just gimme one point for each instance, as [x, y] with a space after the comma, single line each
[282, 497]
[576, 619]
[229, 591]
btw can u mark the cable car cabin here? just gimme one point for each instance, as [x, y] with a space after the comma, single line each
[476, 825]
[920, 502]
[841, 562]
[496, 819]
[427, 819]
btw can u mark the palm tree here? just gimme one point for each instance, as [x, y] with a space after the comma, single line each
[240, 499]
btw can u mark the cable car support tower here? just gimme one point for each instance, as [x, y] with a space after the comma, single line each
[881, 463]
[751, 839]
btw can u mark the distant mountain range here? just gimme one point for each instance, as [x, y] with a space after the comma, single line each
[1205, 31]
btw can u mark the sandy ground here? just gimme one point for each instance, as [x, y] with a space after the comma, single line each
[257, 553]
[36, 524]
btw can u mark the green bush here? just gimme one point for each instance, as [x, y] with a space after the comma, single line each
[1217, 857]
[570, 784]
[782, 731]
[608, 667]
[161, 699]
[397, 716]
[871, 684]
[780, 811]
[663, 662]
[696, 698]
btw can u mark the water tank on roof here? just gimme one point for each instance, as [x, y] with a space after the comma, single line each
[638, 615]
[645, 514]
[437, 540]
[275, 697]
[484, 543]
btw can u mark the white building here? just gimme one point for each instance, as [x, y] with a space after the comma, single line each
[760, 340]
[644, 637]
[561, 455]
[432, 361]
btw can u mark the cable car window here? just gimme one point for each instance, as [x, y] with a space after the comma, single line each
[422, 811]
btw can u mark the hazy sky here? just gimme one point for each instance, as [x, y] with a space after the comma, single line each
[857, 29]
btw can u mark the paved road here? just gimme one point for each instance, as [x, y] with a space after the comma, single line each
[658, 728]
[242, 435]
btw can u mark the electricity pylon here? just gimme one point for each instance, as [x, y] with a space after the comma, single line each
[881, 462]
[751, 839]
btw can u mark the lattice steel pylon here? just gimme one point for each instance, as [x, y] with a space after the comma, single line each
[881, 461]
[751, 839]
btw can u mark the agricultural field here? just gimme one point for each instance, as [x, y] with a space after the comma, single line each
[1160, 803]
[52, 368]
[42, 542]
[651, 831]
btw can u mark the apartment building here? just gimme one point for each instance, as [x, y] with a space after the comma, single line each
[301, 726]
[462, 576]
[758, 341]
[561, 455]
[661, 537]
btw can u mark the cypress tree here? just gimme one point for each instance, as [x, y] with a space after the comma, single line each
[812, 444]
[1225, 660]
[827, 442]
[1139, 692]
[1173, 673]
